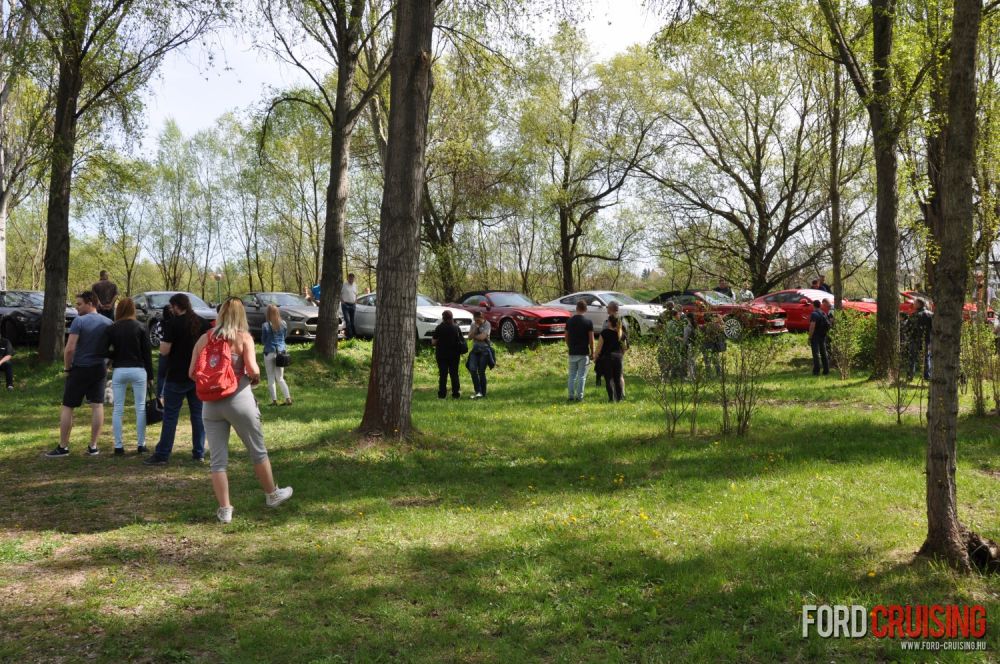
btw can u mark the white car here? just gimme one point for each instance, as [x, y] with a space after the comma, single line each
[429, 315]
[639, 318]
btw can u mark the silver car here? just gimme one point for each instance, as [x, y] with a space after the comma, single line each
[639, 317]
[429, 315]
[300, 315]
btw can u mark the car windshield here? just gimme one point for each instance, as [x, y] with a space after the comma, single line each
[424, 301]
[160, 300]
[620, 298]
[511, 300]
[26, 299]
[716, 299]
[283, 299]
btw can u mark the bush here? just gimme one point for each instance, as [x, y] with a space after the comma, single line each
[977, 361]
[847, 342]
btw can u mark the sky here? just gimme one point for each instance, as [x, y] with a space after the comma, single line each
[198, 85]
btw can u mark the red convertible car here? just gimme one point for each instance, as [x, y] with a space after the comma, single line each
[797, 305]
[908, 298]
[737, 317]
[515, 316]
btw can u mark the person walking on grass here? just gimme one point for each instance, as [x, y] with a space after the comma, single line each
[348, 304]
[86, 372]
[580, 345]
[919, 342]
[272, 335]
[713, 344]
[481, 355]
[107, 292]
[132, 359]
[449, 346]
[610, 352]
[819, 325]
[180, 335]
[237, 411]
[6, 356]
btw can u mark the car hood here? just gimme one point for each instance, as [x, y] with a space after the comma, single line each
[648, 309]
[865, 307]
[297, 310]
[759, 308]
[438, 312]
[70, 311]
[541, 311]
[207, 314]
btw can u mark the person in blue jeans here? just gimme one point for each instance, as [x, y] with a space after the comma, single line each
[179, 337]
[272, 334]
[481, 355]
[580, 345]
[131, 356]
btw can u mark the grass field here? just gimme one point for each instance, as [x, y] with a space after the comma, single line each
[515, 529]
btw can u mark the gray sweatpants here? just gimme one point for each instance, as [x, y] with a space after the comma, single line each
[239, 411]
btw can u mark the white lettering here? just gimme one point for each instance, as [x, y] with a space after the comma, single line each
[807, 618]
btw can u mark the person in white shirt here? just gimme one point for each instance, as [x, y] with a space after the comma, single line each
[348, 300]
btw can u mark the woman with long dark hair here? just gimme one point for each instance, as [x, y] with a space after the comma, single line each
[610, 351]
[180, 335]
[131, 357]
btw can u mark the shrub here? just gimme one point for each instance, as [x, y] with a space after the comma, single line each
[742, 382]
[846, 342]
[977, 360]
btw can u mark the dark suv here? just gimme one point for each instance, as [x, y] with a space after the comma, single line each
[21, 315]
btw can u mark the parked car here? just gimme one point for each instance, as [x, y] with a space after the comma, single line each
[300, 315]
[515, 316]
[640, 318]
[149, 311]
[429, 315]
[797, 305]
[737, 318]
[21, 315]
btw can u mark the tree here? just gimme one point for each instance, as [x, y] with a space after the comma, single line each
[24, 106]
[341, 30]
[747, 146]
[947, 538]
[390, 383]
[104, 50]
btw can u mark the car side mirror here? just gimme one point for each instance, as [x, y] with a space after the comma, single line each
[805, 300]
[487, 307]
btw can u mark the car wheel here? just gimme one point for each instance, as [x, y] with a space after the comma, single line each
[10, 332]
[733, 328]
[508, 330]
[155, 332]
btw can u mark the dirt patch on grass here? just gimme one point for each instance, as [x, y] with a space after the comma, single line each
[415, 501]
[990, 472]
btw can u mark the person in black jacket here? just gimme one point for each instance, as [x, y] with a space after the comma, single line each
[6, 354]
[819, 325]
[132, 358]
[448, 348]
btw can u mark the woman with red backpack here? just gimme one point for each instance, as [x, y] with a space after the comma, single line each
[224, 369]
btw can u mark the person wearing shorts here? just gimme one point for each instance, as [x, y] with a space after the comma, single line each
[86, 372]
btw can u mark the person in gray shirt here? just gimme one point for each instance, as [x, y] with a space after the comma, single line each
[481, 355]
[86, 372]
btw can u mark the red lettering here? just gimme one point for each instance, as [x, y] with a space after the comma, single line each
[936, 611]
[878, 632]
[978, 618]
[913, 624]
[895, 621]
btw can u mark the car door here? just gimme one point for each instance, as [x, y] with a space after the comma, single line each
[364, 315]
[256, 312]
[597, 311]
[491, 313]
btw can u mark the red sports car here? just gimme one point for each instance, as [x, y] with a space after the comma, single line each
[907, 306]
[515, 316]
[797, 305]
[737, 317]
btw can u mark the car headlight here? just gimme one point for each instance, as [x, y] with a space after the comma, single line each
[521, 317]
[425, 319]
[20, 316]
[295, 318]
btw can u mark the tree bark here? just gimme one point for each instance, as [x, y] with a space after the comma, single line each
[836, 228]
[53, 332]
[332, 278]
[946, 537]
[390, 384]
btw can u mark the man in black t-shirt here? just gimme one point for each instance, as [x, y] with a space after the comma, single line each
[580, 344]
[819, 325]
[107, 292]
[448, 348]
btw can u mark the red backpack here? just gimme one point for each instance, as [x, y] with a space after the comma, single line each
[214, 377]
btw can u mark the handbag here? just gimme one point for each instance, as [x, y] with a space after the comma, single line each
[154, 411]
[282, 359]
[463, 347]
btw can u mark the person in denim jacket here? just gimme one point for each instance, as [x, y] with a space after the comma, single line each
[273, 335]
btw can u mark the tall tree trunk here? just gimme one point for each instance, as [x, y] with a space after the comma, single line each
[332, 278]
[836, 228]
[945, 534]
[390, 384]
[566, 257]
[50, 343]
[4, 209]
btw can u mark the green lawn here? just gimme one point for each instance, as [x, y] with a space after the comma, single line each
[519, 528]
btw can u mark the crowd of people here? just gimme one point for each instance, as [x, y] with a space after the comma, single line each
[217, 387]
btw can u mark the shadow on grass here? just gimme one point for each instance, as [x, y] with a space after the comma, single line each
[544, 597]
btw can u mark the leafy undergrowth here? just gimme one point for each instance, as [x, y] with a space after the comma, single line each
[516, 528]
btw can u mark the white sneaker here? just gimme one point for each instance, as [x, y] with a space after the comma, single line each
[278, 496]
[477, 395]
[225, 514]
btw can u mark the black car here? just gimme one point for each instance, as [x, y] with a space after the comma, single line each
[149, 310]
[21, 315]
